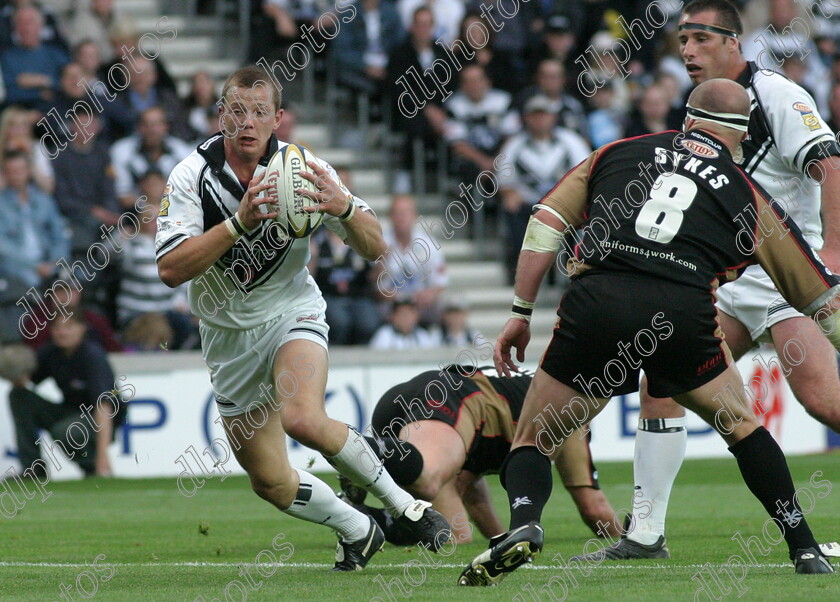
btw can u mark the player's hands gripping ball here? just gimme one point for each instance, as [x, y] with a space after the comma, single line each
[302, 197]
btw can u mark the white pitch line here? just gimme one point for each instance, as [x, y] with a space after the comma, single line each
[320, 565]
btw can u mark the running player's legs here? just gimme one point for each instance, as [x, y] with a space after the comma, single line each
[258, 438]
[262, 453]
[300, 380]
[809, 361]
[443, 455]
[305, 419]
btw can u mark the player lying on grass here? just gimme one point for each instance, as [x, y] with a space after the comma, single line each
[643, 284]
[454, 426]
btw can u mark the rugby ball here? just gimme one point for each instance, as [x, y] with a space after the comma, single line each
[284, 176]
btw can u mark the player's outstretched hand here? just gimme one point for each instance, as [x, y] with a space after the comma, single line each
[249, 207]
[517, 334]
[331, 197]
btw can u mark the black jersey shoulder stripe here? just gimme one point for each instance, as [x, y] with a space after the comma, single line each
[808, 143]
[168, 244]
[213, 209]
[777, 308]
[767, 198]
[315, 332]
[759, 156]
[760, 135]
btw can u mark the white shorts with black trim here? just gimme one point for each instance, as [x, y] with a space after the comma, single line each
[240, 361]
[756, 303]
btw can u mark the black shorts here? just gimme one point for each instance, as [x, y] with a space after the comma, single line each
[614, 324]
[427, 396]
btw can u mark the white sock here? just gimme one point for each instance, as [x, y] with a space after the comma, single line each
[317, 503]
[656, 462]
[359, 463]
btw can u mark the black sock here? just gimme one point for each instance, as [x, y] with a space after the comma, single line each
[394, 532]
[526, 475]
[765, 471]
[402, 460]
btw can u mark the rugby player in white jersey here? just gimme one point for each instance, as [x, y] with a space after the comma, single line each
[793, 154]
[262, 326]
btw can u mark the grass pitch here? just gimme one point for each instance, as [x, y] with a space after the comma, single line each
[142, 540]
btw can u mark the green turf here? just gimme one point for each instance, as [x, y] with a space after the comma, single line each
[145, 527]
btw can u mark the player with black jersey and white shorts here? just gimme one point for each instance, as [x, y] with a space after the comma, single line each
[441, 431]
[655, 246]
[263, 333]
[790, 151]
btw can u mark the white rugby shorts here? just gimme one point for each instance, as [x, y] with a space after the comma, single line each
[240, 361]
[755, 302]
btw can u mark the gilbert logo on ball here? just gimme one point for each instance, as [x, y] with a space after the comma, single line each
[284, 170]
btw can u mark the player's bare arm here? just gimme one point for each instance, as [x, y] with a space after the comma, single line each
[475, 494]
[830, 204]
[364, 234]
[192, 257]
[530, 271]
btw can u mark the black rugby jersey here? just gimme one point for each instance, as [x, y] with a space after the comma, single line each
[675, 206]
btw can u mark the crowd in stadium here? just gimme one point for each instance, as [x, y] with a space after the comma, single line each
[515, 115]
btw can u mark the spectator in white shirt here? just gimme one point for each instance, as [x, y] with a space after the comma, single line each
[151, 148]
[413, 266]
[403, 330]
[530, 164]
[479, 119]
[453, 330]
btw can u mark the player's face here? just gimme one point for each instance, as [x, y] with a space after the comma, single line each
[248, 117]
[706, 55]
[68, 334]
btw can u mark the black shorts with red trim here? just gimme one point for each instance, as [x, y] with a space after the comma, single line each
[428, 396]
[435, 395]
[614, 324]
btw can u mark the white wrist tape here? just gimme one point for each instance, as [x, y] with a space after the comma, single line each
[349, 212]
[521, 309]
[240, 223]
[541, 238]
[554, 212]
[231, 228]
[829, 323]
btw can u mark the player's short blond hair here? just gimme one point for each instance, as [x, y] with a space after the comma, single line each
[251, 77]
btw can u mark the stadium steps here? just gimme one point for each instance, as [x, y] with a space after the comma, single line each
[147, 21]
[187, 47]
[138, 8]
[219, 69]
[317, 137]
